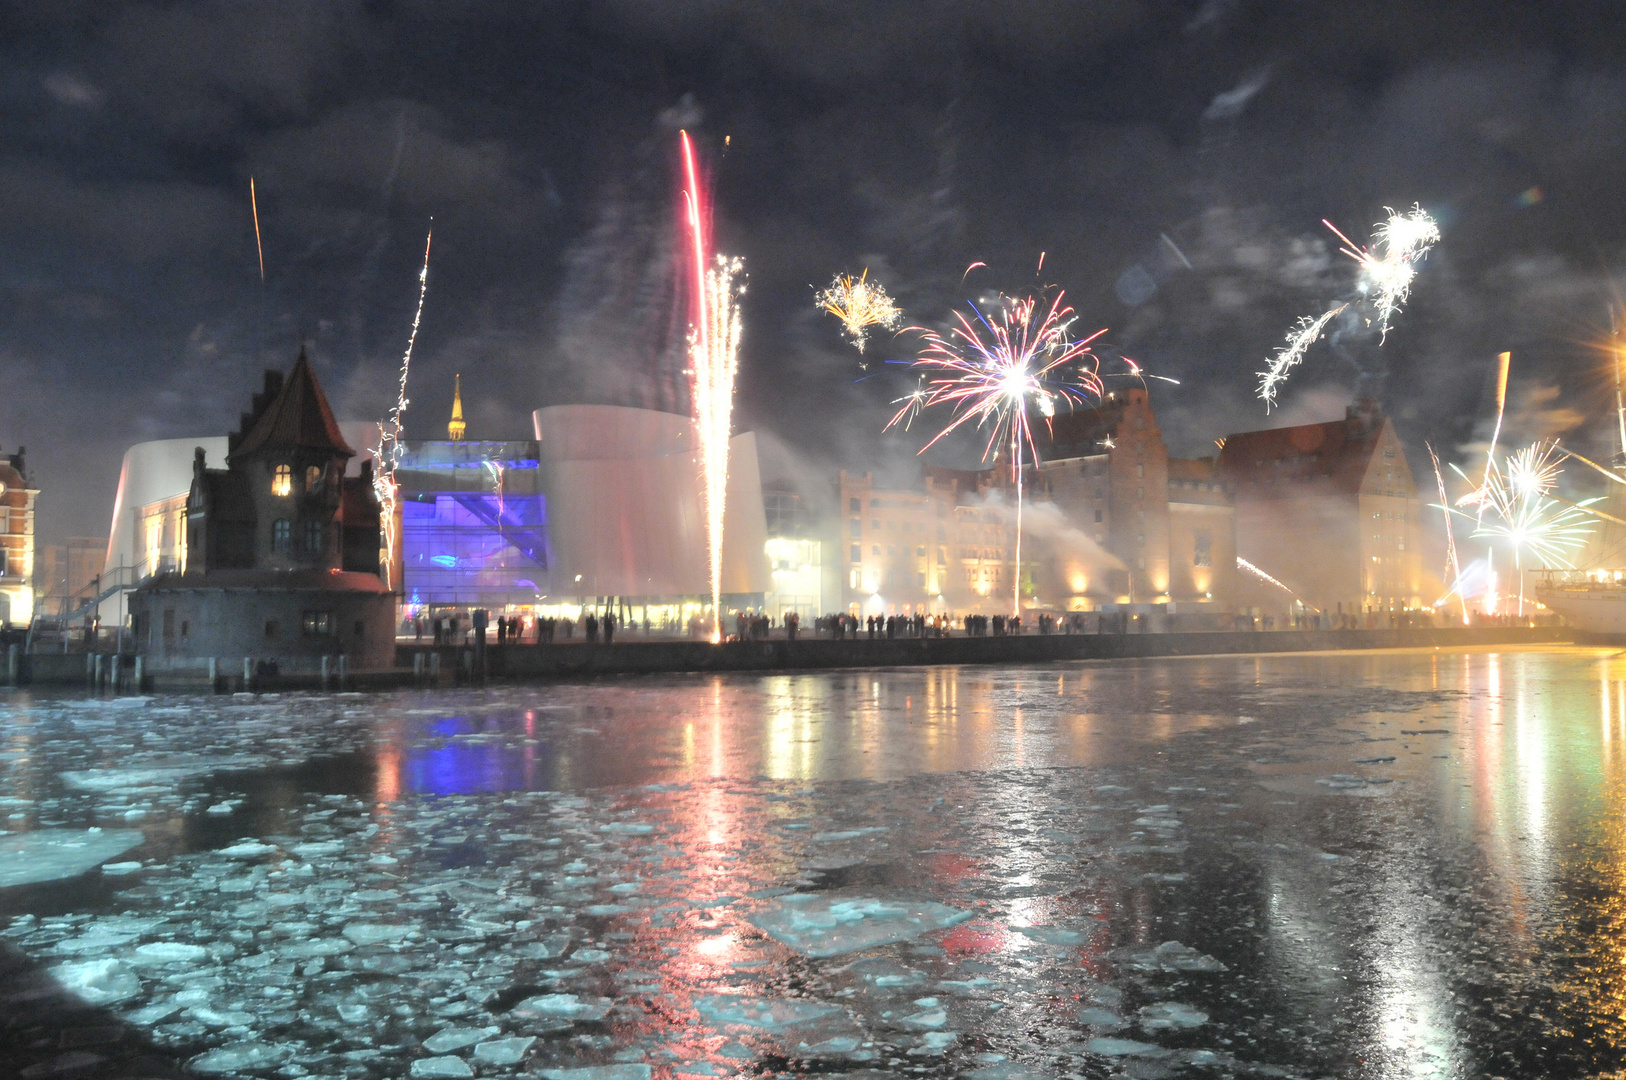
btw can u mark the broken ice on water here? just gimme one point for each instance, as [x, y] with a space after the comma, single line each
[485, 887]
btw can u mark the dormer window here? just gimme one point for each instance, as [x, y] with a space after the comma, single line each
[313, 479]
[282, 481]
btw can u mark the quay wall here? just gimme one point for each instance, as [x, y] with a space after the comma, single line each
[573, 660]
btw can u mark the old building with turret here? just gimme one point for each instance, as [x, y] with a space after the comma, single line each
[281, 561]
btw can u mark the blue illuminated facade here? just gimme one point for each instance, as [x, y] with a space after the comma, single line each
[473, 525]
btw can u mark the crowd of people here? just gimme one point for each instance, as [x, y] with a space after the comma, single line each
[593, 626]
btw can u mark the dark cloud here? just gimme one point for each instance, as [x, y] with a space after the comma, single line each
[1172, 161]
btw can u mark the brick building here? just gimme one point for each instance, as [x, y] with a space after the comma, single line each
[1112, 520]
[1331, 510]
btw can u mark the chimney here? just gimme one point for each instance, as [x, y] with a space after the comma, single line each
[1364, 417]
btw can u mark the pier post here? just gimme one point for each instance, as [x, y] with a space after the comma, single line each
[434, 669]
[325, 672]
[96, 671]
[140, 675]
[248, 673]
[343, 668]
[417, 668]
[214, 675]
[13, 665]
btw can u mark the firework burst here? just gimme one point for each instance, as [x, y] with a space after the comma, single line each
[1515, 506]
[388, 453]
[860, 304]
[992, 370]
[1387, 270]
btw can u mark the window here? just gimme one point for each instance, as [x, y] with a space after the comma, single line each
[1098, 517]
[852, 578]
[313, 479]
[1202, 550]
[942, 534]
[942, 556]
[282, 534]
[314, 623]
[875, 525]
[315, 537]
[922, 580]
[920, 552]
[2, 562]
[1388, 451]
[282, 481]
[1140, 539]
[874, 504]
[856, 528]
[1140, 472]
[875, 550]
[270, 628]
[857, 553]
[1098, 493]
[855, 505]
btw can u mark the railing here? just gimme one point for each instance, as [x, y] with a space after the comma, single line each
[1601, 581]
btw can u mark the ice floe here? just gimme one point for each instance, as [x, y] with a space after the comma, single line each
[32, 858]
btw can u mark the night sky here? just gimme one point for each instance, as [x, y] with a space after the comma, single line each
[1172, 160]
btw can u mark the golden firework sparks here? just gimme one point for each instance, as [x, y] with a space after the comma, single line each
[860, 304]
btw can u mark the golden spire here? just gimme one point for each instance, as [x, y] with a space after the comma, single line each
[455, 429]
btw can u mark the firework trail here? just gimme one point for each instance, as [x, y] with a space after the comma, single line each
[1387, 270]
[1299, 339]
[1503, 362]
[860, 304]
[912, 403]
[1516, 506]
[390, 431]
[994, 368]
[714, 355]
[1451, 561]
[1244, 564]
[254, 205]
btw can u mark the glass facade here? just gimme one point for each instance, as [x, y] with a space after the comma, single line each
[473, 526]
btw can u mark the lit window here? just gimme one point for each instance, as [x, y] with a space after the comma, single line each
[282, 535]
[314, 623]
[282, 482]
[313, 479]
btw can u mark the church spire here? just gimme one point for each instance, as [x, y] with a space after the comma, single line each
[455, 429]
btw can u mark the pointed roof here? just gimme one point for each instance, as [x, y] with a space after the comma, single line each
[456, 427]
[299, 416]
[1280, 462]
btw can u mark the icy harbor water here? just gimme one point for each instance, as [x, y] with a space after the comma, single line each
[1402, 864]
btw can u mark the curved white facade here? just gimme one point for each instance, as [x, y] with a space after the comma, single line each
[153, 472]
[624, 505]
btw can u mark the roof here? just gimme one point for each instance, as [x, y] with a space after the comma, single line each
[299, 416]
[1332, 456]
[1201, 470]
